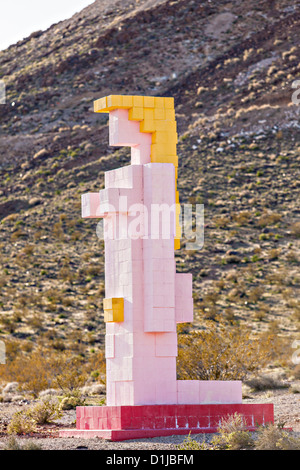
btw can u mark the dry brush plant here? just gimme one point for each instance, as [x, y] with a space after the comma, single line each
[221, 354]
[43, 368]
[13, 444]
[43, 412]
[21, 423]
[274, 437]
[233, 435]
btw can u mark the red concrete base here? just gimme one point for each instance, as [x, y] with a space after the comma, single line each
[118, 423]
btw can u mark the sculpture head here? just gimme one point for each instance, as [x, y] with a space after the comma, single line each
[146, 124]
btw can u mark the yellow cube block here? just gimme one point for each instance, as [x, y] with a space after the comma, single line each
[167, 126]
[169, 103]
[127, 101]
[176, 244]
[114, 101]
[100, 106]
[113, 310]
[158, 150]
[138, 101]
[108, 316]
[147, 125]
[136, 114]
[171, 159]
[171, 148]
[159, 102]
[149, 102]
[160, 125]
[149, 114]
[164, 137]
[159, 113]
[159, 137]
[165, 159]
[170, 114]
[172, 137]
[163, 149]
[107, 304]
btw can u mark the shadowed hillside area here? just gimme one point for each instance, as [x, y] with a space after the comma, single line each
[230, 67]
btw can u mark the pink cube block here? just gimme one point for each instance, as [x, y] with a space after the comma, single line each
[125, 393]
[166, 392]
[124, 345]
[188, 391]
[217, 391]
[91, 206]
[166, 344]
[141, 154]
[183, 297]
[127, 133]
[109, 345]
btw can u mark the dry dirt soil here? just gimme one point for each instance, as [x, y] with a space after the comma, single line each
[286, 412]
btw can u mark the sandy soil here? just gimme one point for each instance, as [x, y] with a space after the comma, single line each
[286, 410]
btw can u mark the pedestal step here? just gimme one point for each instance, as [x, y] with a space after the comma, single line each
[118, 423]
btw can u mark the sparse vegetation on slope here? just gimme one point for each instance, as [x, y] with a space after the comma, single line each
[230, 68]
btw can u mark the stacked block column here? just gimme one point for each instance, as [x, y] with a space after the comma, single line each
[145, 297]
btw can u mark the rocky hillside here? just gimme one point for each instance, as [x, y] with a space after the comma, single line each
[230, 67]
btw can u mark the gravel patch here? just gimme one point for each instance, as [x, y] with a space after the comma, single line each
[286, 410]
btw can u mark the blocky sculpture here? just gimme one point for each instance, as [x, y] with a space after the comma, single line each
[144, 296]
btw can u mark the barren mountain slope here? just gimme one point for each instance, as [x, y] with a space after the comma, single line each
[230, 67]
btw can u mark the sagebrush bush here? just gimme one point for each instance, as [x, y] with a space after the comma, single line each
[43, 368]
[233, 434]
[272, 437]
[13, 444]
[45, 411]
[265, 382]
[20, 423]
[219, 354]
[191, 444]
[70, 402]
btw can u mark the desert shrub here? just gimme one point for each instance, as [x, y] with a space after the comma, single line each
[30, 445]
[242, 218]
[265, 382]
[296, 372]
[272, 437]
[69, 377]
[295, 229]
[12, 444]
[70, 401]
[48, 393]
[94, 389]
[32, 372]
[221, 221]
[191, 444]
[221, 354]
[233, 434]
[20, 423]
[45, 411]
[42, 369]
[269, 218]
